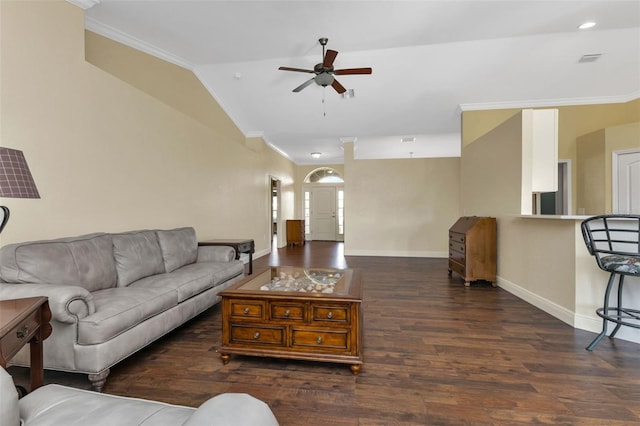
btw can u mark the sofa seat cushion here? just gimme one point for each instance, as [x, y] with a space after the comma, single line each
[226, 271]
[61, 405]
[85, 261]
[192, 279]
[179, 247]
[137, 255]
[120, 309]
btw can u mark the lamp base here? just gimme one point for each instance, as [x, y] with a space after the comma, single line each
[5, 217]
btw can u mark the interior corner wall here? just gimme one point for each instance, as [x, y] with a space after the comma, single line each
[573, 122]
[491, 171]
[590, 164]
[109, 156]
[532, 256]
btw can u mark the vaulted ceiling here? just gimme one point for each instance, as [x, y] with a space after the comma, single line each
[431, 60]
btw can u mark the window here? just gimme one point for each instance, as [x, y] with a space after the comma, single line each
[340, 212]
[324, 175]
[307, 212]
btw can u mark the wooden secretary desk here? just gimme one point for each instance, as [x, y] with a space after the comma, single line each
[472, 249]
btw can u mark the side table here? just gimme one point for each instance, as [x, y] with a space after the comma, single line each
[25, 321]
[240, 246]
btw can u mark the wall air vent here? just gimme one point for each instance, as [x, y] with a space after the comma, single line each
[590, 57]
[408, 139]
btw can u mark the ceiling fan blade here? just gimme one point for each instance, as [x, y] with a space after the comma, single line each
[353, 71]
[329, 57]
[303, 85]
[295, 69]
[339, 87]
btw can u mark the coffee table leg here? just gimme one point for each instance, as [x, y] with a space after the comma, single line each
[225, 358]
[356, 368]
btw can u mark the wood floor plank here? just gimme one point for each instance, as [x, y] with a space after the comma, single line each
[435, 353]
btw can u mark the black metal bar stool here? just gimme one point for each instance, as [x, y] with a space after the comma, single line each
[614, 240]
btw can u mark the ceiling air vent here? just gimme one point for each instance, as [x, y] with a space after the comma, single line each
[590, 57]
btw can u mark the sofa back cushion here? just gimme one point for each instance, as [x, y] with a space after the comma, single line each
[137, 255]
[179, 247]
[85, 261]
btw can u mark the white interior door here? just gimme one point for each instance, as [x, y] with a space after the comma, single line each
[627, 179]
[323, 213]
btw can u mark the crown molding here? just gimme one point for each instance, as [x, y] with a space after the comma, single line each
[84, 4]
[247, 134]
[126, 39]
[278, 150]
[549, 102]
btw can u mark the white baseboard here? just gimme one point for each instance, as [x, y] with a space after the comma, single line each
[579, 321]
[396, 253]
[560, 312]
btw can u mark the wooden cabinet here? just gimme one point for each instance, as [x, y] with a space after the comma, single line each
[472, 249]
[295, 232]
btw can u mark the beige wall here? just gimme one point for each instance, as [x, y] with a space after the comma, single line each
[594, 153]
[400, 207]
[574, 121]
[118, 153]
[590, 175]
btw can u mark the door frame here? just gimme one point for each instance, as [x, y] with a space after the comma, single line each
[309, 187]
[279, 234]
[614, 174]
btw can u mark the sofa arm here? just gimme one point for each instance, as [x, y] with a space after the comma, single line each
[67, 302]
[216, 254]
[233, 409]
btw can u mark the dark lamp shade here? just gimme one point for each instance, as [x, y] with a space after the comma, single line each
[15, 178]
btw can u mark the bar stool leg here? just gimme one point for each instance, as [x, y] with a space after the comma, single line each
[606, 312]
[618, 325]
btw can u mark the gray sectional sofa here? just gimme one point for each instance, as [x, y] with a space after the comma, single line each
[113, 294]
[57, 405]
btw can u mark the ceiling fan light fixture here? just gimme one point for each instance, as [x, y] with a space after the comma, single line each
[316, 154]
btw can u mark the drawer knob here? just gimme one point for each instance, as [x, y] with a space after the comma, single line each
[22, 332]
[246, 311]
[287, 313]
[330, 315]
[319, 339]
[256, 335]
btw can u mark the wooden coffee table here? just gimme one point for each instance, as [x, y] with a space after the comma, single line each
[312, 314]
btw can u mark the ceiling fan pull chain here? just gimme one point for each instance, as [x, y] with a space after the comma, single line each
[324, 105]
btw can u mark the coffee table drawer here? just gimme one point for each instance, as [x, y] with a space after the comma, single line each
[247, 309]
[288, 311]
[241, 333]
[324, 339]
[333, 314]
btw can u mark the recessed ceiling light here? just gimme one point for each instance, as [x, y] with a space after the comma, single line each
[316, 154]
[586, 25]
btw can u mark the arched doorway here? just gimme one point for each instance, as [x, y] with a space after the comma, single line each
[323, 205]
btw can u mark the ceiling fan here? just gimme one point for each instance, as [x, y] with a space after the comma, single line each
[324, 72]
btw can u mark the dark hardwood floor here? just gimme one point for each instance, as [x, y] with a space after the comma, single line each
[435, 352]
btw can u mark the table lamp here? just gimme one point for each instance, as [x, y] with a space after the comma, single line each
[15, 180]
